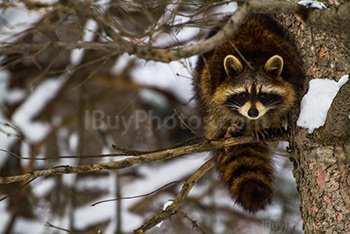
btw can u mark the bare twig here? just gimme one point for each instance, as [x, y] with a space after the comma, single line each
[194, 223]
[172, 209]
[61, 229]
[184, 123]
[17, 190]
[132, 197]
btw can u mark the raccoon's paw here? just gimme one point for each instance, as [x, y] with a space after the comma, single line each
[235, 130]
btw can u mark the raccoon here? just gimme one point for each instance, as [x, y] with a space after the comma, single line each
[247, 86]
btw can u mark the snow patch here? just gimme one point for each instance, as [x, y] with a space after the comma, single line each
[12, 96]
[21, 19]
[316, 103]
[4, 215]
[175, 77]
[312, 4]
[22, 118]
[43, 187]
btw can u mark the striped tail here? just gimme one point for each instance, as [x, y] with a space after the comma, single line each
[247, 172]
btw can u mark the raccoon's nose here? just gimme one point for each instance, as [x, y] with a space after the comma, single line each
[253, 112]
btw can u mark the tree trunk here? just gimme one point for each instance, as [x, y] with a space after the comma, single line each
[323, 179]
[322, 159]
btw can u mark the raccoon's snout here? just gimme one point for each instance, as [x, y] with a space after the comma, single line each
[253, 113]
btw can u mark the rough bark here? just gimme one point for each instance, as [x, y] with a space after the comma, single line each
[321, 161]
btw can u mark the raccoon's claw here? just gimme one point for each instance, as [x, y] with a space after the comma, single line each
[265, 134]
[235, 130]
[261, 134]
[275, 132]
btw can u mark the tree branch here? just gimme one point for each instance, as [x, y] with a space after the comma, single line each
[337, 126]
[120, 45]
[172, 209]
[145, 157]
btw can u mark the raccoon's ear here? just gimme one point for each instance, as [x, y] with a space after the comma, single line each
[232, 65]
[274, 66]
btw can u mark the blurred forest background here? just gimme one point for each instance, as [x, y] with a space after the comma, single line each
[63, 104]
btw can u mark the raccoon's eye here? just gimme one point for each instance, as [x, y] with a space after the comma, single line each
[269, 99]
[243, 95]
[238, 99]
[262, 96]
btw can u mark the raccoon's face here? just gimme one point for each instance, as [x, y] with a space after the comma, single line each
[254, 102]
[253, 98]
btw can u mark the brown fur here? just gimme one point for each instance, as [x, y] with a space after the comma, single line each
[246, 169]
